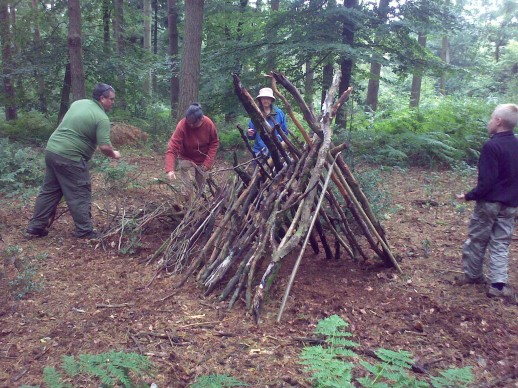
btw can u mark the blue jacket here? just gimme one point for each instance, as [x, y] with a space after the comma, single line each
[279, 118]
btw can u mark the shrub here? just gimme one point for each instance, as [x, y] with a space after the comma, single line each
[31, 127]
[20, 168]
[27, 280]
[438, 134]
[114, 175]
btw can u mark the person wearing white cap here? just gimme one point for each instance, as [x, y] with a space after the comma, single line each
[273, 116]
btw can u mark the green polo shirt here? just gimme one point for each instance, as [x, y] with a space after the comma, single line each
[84, 127]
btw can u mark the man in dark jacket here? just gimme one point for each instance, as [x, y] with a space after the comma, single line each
[496, 196]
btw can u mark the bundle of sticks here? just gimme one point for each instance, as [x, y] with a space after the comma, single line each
[304, 194]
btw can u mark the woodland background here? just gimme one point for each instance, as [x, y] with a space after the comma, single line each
[426, 72]
[426, 75]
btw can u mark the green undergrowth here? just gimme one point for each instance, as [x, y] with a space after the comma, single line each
[335, 363]
[21, 169]
[112, 369]
[28, 278]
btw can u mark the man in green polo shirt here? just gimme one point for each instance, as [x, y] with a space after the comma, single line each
[84, 128]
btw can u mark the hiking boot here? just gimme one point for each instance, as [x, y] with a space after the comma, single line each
[465, 279]
[93, 234]
[36, 232]
[505, 292]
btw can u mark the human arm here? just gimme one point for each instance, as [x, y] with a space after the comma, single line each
[251, 131]
[107, 149]
[173, 149]
[487, 174]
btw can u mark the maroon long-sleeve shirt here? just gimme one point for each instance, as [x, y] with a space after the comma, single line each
[198, 145]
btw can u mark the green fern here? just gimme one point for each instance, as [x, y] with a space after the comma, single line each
[460, 378]
[217, 381]
[53, 379]
[335, 364]
[111, 369]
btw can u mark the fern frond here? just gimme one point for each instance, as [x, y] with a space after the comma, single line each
[70, 366]
[52, 378]
[401, 358]
[218, 381]
[457, 377]
[331, 326]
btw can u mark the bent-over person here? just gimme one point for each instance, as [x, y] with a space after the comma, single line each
[192, 149]
[84, 127]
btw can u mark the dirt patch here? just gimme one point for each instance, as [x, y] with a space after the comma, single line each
[94, 299]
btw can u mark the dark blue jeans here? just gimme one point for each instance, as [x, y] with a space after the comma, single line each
[71, 180]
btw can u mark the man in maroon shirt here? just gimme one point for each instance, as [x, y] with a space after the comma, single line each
[193, 147]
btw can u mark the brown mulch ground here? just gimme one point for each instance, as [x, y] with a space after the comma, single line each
[94, 300]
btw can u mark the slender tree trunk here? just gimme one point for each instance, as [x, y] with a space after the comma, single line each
[327, 80]
[7, 65]
[309, 84]
[106, 26]
[415, 92]
[346, 63]
[154, 80]
[65, 94]
[42, 99]
[374, 86]
[147, 43]
[121, 49]
[173, 52]
[191, 55]
[445, 55]
[75, 50]
[271, 35]
[375, 71]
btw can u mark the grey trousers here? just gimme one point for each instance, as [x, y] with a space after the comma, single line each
[69, 179]
[192, 176]
[491, 226]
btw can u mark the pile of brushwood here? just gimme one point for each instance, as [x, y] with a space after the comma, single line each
[235, 238]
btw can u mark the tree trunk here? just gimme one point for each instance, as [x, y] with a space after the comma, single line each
[75, 50]
[118, 27]
[173, 53]
[65, 94]
[106, 26]
[445, 56]
[147, 43]
[7, 65]
[154, 80]
[271, 35]
[327, 79]
[415, 92]
[375, 71]
[191, 55]
[346, 63]
[309, 85]
[42, 99]
[374, 86]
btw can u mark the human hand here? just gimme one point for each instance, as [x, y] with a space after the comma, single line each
[251, 132]
[171, 175]
[116, 154]
[460, 197]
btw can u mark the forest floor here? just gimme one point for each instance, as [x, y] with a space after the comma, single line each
[94, 299]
